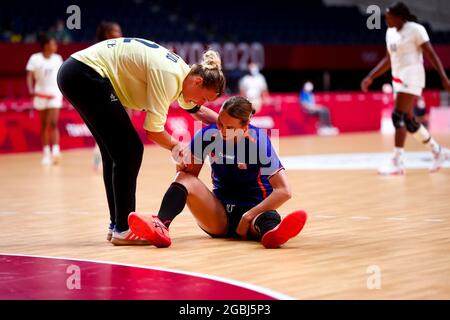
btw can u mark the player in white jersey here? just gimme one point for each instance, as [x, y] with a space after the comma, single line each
[42, 69]
[406, 42]
[254, 87]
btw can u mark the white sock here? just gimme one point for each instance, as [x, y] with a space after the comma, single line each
[422, 135]
[398, 152]
[433, 145]
[46, 150]
[55, 149]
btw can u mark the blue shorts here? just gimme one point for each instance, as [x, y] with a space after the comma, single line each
[234, 214]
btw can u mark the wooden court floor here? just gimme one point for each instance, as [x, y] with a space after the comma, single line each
[358, 222]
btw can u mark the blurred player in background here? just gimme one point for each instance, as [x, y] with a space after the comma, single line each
[106, 30]
[308, 103]
[406, 40]
[42, 69]
[249, 186]
[101, 80]
[253, 87]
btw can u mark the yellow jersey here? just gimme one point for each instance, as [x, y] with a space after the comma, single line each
[144, 75]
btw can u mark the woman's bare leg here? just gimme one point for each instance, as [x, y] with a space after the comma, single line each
[206, 208]
[404, 104]
[53, 124]
[44, 120]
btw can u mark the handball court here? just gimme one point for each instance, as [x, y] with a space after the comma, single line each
[358, 222]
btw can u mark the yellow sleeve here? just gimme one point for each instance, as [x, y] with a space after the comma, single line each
[154, 122]
[162, 88]
[185, 105]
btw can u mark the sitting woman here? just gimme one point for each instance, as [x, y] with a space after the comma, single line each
[249, 185]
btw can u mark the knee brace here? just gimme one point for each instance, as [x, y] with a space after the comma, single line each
[419, 112]
[411, 124]
[398, 119]
[267, 221]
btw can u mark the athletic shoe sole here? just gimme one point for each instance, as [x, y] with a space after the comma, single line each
[141, 227]
[288, 228]
[128, 242]
[446, 157]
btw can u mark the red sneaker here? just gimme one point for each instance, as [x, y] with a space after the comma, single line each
[150, 228]
[288, 228]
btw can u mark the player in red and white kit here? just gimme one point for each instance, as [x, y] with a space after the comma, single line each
[406, 42]
[42, 68]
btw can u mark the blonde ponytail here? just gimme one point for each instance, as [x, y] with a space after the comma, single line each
[211, 60]
[210, 69]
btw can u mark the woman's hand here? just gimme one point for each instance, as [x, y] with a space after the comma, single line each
[365, 83]
[244, 225]
[179, 153]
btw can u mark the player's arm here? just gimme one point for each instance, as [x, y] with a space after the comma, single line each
[383, 66]
[157, 115]
[193, 167]
[204, 114]
[436, 62]
[242, 89]
[163, 139]
[265, 90]
[30, 82]
[193, 155]
[280, 194]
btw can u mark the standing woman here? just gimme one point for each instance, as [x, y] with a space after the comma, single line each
[106, 30]
[42, 69]
[139, 74]
[406, 40]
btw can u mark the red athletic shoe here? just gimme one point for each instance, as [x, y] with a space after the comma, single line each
[150, 228]
[288, 228]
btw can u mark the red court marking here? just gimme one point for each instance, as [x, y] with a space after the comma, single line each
[26, 277]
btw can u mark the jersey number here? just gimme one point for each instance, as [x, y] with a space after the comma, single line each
[170, 55]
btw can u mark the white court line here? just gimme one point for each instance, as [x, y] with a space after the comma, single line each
[355, 161]
[81, 213]
[433, 220]
[360, 218]
[7, 213]
[43, 212]
[396, 218]
[324, 216]
[365, 218]
[237, 283]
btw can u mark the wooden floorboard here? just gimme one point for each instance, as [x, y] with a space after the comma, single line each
[357, 219]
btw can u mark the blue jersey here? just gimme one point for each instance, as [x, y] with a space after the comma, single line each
[240, 171]
[307, 98]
